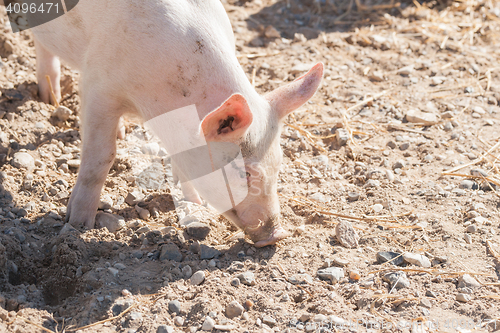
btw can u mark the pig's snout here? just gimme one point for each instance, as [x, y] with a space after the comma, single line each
[261, 229]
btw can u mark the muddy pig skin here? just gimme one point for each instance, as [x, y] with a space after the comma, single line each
[151, 57]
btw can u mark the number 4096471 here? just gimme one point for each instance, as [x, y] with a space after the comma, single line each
[32, 8]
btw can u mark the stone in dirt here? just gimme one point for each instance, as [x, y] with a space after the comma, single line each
[464, 298]
[269, 321]
[198, 278]
[170, 252]
[62, 113]
[300, 279]
[164, 329]
[346, 235]
[198, 230]
[425, 303]
[150, 148]
[110, 221]
[174, 306]
[234, 309]
[342, 136]
[207, 252]
[271, 32]
[407, 70]
[397, 280]
[179, 321]
[208, 324]
[105, 203]
[247, 278]
[74, 164]
[479, 173]
[144, 214]
[187, 271]
[224, 328]
[385, 256]
[134, 197]
[23, 160]
[68, 229]
[417, 116]
[334, 274]
[353, 196]
[467, 281]
[471, 229]
[340, 262]
[417, 259]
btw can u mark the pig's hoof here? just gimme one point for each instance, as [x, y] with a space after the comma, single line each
[78, 220]
[278, 234]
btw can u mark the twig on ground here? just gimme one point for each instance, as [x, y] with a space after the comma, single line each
[52, 91]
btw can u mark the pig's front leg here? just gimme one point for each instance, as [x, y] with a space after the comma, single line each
[47, 64]
[99, 126]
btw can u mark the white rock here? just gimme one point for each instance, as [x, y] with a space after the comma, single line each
[110, 221]
[144, 214]
[208, 324]
[377, 208]
[417, 116]
[23, 160]
[417, 259]
[62, 113]
[150, 148]
[467, 281]
[407, 70]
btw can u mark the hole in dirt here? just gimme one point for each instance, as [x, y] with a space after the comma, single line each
[55, 294]
[15, 278]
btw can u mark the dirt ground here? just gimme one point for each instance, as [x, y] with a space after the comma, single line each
[401, 141]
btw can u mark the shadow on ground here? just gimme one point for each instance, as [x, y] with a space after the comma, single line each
[310, 18]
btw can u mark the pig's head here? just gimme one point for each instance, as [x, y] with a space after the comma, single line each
[257, 131]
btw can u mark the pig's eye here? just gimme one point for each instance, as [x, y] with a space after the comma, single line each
[248, 174]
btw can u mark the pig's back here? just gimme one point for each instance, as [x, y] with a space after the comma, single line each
[175, 52]
[113, 29]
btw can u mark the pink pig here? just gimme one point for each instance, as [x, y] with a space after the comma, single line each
[151, 57]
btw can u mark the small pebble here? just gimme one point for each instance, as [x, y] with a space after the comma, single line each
[248, 304]
[467, 281]
[377, 208]
[144, 214]
[471, 229]
[398, 280]
[353, 196]
[464, 298]
[179, 321]
[247, 278]
[208, 324]
[417, 259]
[234, 309]
[354, 275]
[23, 160]
[164, 329]
[340, 262]
[334, 274]
[269, 321]
[468, 238]
[346, 235]
[198, 278]
[235, 282]
[174, 306]
[62, 113]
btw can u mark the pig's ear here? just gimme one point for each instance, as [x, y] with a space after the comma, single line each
[229, 122]
[290, 97]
